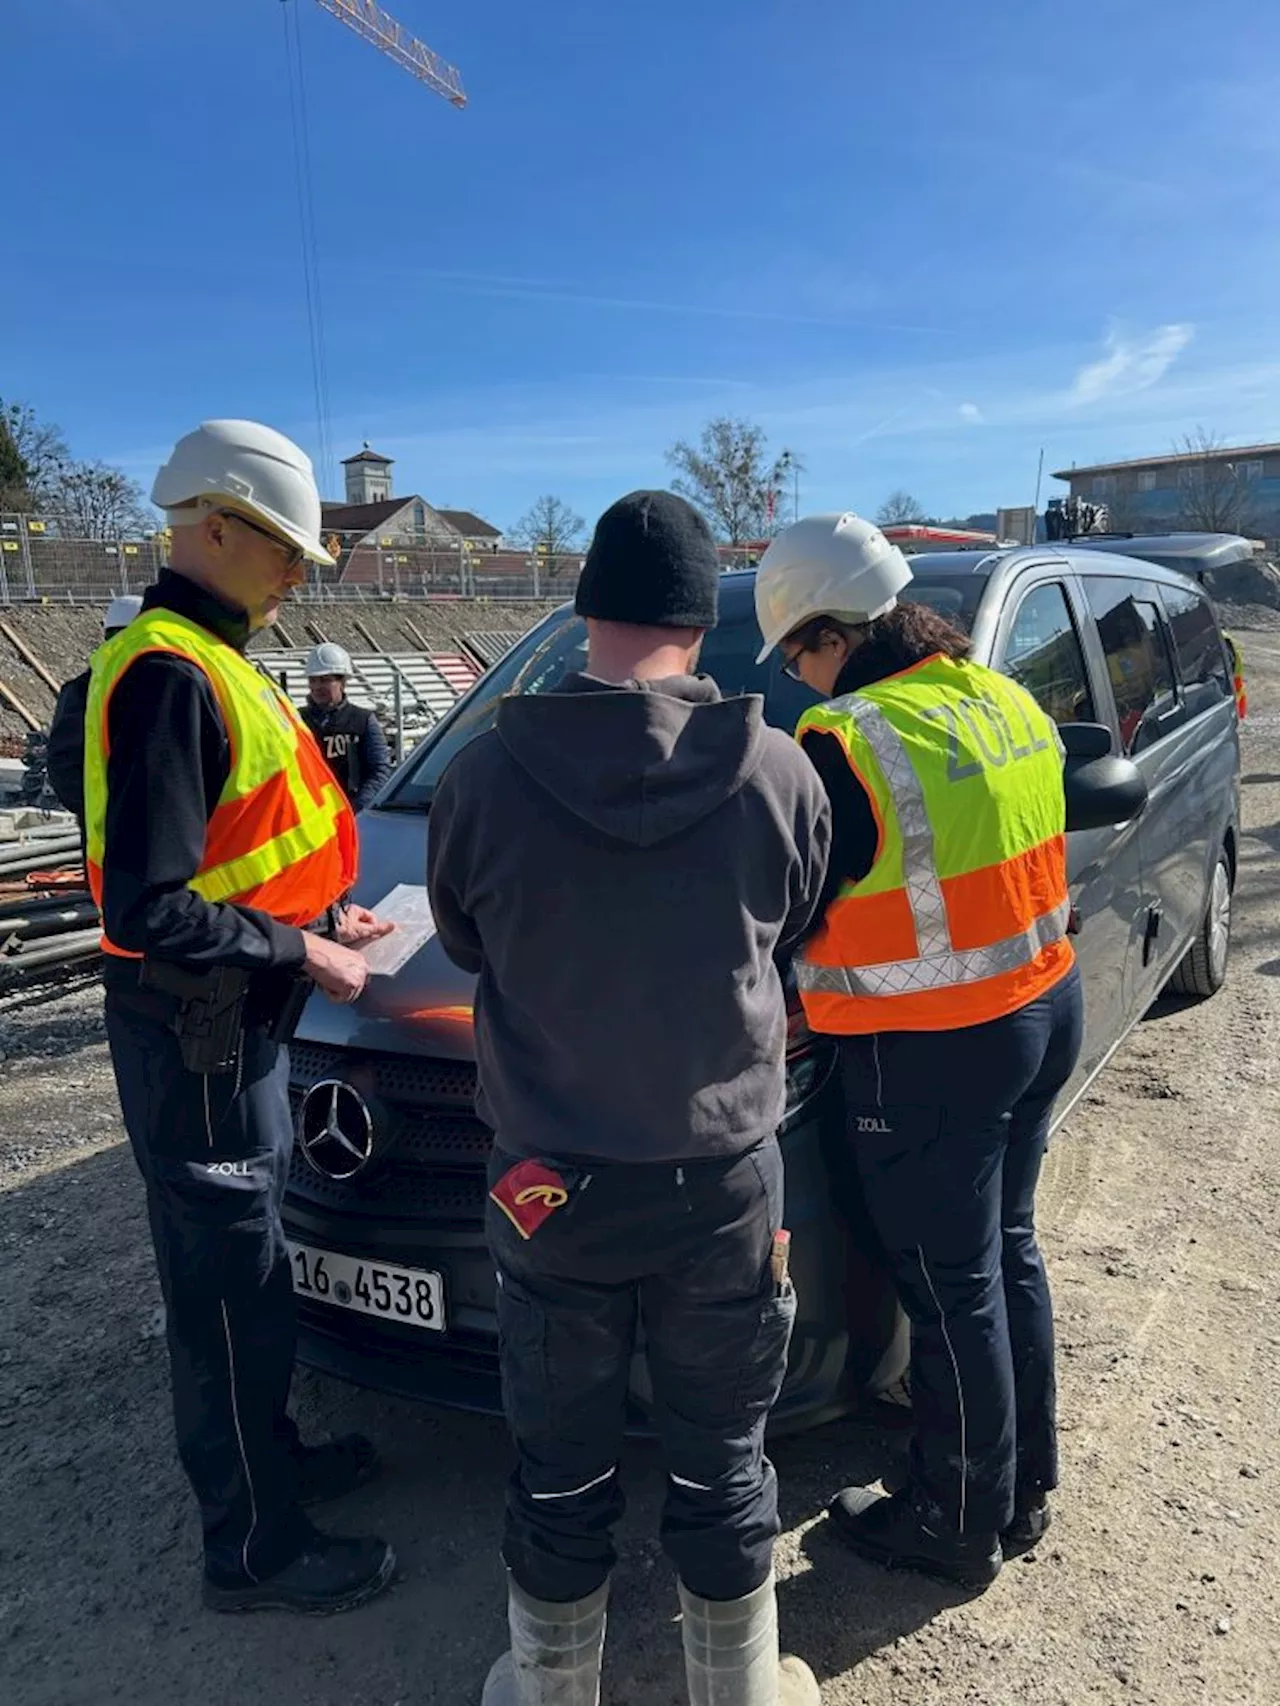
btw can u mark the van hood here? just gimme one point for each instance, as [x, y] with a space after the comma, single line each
[639, 762]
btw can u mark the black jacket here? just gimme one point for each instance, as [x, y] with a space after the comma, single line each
[354, 746]
[622, 866]
[64, 757]
[169, 761]
[854, 835]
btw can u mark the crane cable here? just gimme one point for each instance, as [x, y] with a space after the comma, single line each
[301, 129]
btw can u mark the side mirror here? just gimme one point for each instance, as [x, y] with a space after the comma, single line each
[1085, 740]
[1101, 789]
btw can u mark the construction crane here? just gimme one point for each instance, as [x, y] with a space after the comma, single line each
[383, 32]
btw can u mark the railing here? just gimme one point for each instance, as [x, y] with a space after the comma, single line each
[37, 564]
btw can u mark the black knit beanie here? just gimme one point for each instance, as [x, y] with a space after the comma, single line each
[652, 564]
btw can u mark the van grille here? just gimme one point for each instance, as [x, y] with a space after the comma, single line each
[430, 1150]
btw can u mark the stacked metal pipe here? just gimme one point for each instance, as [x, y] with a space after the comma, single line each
[48, 921]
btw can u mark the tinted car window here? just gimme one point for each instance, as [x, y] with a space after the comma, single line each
[955, 596]
[1044, 655]
[1135, 640]
[1202, 658]
[538, 664]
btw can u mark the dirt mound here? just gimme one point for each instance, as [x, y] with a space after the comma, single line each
[1256, 582]
[63, 636]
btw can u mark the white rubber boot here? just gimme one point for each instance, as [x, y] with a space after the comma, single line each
[556, 1651]
[731, 1653]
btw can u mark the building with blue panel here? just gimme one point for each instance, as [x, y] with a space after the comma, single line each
[1229, 490]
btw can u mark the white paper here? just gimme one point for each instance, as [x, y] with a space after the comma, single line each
[408, 908]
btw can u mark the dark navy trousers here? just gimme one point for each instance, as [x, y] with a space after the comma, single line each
[679, 1254]
[214, 1155]
[948, 1130]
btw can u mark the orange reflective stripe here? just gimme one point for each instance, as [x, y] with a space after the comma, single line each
[998, 901]
[945, 1009]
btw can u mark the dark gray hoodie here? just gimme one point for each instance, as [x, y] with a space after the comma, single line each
[623, 866]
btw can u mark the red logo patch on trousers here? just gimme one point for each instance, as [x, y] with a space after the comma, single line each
[528, 1194]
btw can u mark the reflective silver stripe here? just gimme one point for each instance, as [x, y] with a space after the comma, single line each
[938, 971]
[919, 867]
[576, 1492]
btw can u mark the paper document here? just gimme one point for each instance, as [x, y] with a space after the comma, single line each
[408, 908]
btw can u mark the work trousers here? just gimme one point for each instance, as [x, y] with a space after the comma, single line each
[214, 1155]
[682, 1253]
[948, 1129]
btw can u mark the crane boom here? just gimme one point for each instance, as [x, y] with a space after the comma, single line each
[380, 29]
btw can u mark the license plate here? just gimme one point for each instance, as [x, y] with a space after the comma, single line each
[411, 1296]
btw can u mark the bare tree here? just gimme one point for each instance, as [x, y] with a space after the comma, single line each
[41, 449]
[729, 477]
[551, 530]
[1213, 491]
[13, 471]
[900, 508]
[93, 501]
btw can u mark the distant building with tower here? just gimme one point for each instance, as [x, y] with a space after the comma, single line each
[372, 515]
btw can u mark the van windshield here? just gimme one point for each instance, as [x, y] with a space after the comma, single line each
[538, 664]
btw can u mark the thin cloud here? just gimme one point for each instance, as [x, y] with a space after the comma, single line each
[1131, 364]
[972, 413]
[544, 290]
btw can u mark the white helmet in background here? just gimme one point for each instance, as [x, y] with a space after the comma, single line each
[826, 565]
[243, 465]
[328, 659]
[120, 612]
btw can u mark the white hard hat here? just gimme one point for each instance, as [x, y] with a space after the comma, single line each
[121, 611]
[826, 565]
[249, 467]
[328, 659]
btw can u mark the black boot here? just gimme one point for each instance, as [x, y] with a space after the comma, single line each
[334, 1573]
[1031, 1519]
[888, 1531]
[337, 1467]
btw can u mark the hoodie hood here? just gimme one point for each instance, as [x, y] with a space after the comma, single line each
[639, 762]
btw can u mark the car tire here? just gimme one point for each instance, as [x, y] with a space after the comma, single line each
[1204, 969]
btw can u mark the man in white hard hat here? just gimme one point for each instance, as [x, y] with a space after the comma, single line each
[942, 964]
[64, 758]
[350, 736]
[220, 852]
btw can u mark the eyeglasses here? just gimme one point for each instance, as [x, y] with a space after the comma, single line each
[293, 554]
[791, 666]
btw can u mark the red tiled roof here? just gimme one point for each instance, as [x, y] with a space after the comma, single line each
[470, 525]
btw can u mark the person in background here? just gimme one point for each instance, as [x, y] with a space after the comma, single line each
[350, 737]
[213, 917]
[623, 861]
[943, 966]
[64, 760]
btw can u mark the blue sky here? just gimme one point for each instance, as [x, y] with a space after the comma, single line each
[915, 242]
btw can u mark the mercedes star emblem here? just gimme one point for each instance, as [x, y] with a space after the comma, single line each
[335, 1129]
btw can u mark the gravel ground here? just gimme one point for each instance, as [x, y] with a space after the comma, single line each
[1157, 1585]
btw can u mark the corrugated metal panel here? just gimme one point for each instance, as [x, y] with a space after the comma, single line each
[490, 645]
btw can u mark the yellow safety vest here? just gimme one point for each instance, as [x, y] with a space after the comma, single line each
[282, 836]
[963, 915]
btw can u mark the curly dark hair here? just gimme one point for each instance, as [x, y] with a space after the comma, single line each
[906, 635]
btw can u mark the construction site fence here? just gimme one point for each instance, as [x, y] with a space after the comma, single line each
[38, 565]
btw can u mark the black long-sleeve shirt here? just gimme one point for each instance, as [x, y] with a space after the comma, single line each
[169, 760]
